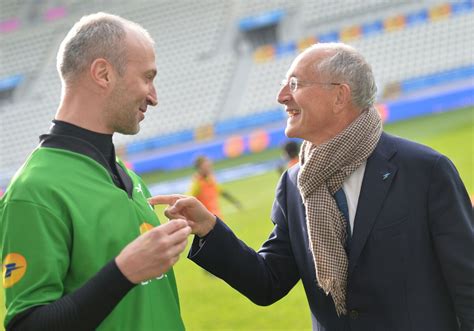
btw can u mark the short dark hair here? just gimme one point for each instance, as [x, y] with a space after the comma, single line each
[291, 148]
[199, 161]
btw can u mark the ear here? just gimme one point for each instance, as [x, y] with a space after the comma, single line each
[102, 73]
[343, 97]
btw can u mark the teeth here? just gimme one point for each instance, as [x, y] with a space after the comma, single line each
[293, 112]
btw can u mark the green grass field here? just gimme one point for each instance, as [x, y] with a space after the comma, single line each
[207, 303]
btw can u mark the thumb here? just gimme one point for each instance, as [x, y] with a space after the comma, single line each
[171, 213]
[186, 203]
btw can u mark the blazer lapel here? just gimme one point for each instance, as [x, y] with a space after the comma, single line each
[378, 176]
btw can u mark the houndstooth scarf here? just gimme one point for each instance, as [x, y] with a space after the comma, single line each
[323, 170]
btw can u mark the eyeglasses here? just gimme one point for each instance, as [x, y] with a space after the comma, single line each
[294, 83]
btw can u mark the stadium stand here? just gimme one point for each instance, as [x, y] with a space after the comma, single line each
[327, 11]
[396, 55]
[30, 47]
[253, 7]
[10, 9]
[447, 49]
[209, 77]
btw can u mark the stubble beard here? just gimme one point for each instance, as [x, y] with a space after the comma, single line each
[123, 113]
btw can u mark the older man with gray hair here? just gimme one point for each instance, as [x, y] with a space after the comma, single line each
[378, 228]
[81, 247]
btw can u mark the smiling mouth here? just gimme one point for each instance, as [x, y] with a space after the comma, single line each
[293, 112]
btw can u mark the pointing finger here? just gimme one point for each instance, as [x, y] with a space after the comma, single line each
[165, 199]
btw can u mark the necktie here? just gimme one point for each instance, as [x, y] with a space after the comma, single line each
[341, 202]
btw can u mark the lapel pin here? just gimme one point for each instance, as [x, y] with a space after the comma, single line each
[386, 175]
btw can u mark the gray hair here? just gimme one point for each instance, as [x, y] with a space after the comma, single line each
[99, 35]
[347, 65]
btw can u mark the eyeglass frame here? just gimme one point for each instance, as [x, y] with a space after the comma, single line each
[285, 82]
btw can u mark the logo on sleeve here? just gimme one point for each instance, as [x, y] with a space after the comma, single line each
[13, 269]
[145, 227]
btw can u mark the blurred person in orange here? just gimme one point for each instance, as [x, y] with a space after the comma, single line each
[206, 189]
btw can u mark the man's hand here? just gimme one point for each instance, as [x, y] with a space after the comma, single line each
[154, 252]
[200, 219]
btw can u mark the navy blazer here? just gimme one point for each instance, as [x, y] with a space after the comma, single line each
[411, 260]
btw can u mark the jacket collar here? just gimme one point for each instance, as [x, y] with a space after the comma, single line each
[378, 177]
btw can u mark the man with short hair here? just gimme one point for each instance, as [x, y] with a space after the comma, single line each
[378, 228]
[290, 154]
[81, 247]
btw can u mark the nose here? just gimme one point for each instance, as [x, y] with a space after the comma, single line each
[284, 94]
[152, 98]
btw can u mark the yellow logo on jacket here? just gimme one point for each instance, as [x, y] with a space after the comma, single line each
[145, 227]
[13, 269]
